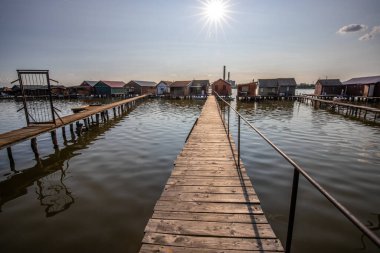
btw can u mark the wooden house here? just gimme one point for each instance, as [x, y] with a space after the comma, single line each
[31, 90]
[363, 86]
[80, 91]
[59, 90]
[89, 85]
[110, 88]
[268, 87]
[246, 90]
[326, 87]
[286, 87]
[163, 88]
[180, 89]
[141, 87]
[199, 87]
[222, 87]
[280, 87]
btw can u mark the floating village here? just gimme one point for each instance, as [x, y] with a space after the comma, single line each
[208, 201]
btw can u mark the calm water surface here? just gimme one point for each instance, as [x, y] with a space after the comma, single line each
[97, 193]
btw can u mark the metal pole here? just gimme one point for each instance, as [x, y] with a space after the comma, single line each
[23, 97]
[50, 96]
[228, 123]
[292, 211]
[239, 141]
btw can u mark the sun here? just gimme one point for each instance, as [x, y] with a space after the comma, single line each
[215, 10]
[215, 14]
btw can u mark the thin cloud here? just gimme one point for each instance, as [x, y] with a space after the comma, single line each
[368, 36]
[352, 28]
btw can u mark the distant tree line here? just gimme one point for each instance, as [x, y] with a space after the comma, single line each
[305, 86]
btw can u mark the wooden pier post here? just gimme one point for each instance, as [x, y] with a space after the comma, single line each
[108, 117]
[85, 124]
[97, 118]
[79, 128]
[114, 112]
[72, 128]
[54, 138]
[63, 134]
[33, 144]
[10, 157]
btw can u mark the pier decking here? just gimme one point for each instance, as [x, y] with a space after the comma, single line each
[10, 138]
[208, 204]
[348, 109]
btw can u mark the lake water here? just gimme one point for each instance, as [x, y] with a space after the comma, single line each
[98, 191]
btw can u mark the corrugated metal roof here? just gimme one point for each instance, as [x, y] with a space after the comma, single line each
[145, 83]
[329, 82]
[274, 83]
[363, 80]
[178, 84]
[91, 83]
[268, 83]
[114, 84]
[286, 82]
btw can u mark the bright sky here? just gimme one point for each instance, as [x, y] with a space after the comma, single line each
[169, 40]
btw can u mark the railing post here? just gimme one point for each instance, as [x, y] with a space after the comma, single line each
[239, 141]
[292, 211]
[228, 123]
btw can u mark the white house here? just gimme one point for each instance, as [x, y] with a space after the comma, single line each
[163, 88]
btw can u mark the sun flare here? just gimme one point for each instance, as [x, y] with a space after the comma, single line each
[215, 14]
[215, 10]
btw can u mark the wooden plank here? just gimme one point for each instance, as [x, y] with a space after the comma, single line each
[209, 189]
[220, 217]
[154, 248]
[222, 243]
[209, 173]
[210, 228]
[207, 181]
[207, 197]
[208, 207]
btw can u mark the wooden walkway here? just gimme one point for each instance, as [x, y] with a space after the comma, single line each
[208, 205]
[10, 138]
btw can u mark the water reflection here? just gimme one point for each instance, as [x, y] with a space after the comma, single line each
[50, 173]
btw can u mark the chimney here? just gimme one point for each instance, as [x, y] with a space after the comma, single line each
[224, 72]
[228, 76]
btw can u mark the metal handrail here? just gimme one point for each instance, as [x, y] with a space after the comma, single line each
[297, 170]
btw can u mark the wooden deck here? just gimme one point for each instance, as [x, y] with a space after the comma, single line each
[25, 133]
[208, 205]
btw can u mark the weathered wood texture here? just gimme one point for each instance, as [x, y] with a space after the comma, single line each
[25, 133]
[208, 204]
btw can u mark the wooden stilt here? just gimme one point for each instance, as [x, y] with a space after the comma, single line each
[85, 124]
[10, 157]
[64, 134]
[33, 144]
[54, 138]
[97, 118]
[114, 112]
[79, 128]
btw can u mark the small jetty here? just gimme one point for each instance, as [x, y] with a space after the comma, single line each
[11, 138]
[209, 203]
[358, 111]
